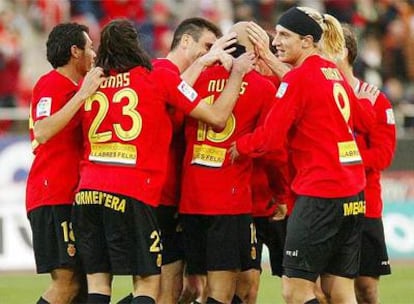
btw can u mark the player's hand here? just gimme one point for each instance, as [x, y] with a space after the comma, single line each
[234, 154]
[91, 82]
[280, 212]
[224, 42]
[217, 55]
[244, 63]
[368, 91]
[260, 39]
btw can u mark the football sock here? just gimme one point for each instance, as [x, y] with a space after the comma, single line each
[236, 300]
[143, 300]
[126, 300]
[42, 301]
[212, 301]
[97, 298]
[313, 301]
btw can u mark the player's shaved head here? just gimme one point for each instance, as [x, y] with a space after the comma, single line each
[242, 36]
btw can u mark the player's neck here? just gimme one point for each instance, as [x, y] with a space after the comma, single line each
[349, 75]
[69, 71]
[178, 60]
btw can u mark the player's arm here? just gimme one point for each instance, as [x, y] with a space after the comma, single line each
[216, 114]
[278, 174]
[217, 53]
[260, 39]
[48, 127]
[378, 152]
[271, 136]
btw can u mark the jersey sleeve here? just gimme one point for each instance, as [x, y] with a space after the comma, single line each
[175, 90]
[272, 134]
[378, 150]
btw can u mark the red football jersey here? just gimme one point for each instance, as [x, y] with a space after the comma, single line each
[211, 184]
[170, 195]
[271, 182]
[54, 174]
[316, 110]
[128, 132]
[380, 157]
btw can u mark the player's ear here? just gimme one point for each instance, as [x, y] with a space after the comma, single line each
[307, 41]
[185, 40]
[75, 51]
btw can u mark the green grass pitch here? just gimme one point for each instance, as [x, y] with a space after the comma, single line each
[25, 288]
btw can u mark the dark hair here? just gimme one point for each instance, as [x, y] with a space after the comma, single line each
[350, 43]
[62, 37]
[120, 49]
[194, 27]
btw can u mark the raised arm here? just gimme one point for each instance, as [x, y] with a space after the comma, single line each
[48, 127]
[217, 53]
[261, 40]
[217, 114]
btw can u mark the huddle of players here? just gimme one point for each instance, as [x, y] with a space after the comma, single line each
[130, 188]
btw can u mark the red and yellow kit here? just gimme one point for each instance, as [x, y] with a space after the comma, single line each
[378, 158]
[171, 191]
[318, 126]
[212, 184]
[54, 174]
[128, 131]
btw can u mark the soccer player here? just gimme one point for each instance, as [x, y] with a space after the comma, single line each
[57, 141]
[127, 132]
[270, 193]
[216, 204]
[190, 53]
[317, 111]
[374, 258]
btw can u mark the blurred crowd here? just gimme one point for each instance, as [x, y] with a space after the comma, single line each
[385, 29]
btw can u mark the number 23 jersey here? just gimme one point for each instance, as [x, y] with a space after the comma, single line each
[128, 131]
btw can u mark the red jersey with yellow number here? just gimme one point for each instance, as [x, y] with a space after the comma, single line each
[316, 111]
[380, 157]
[170, 195]
[128, 131]
[212, 184]
[54, 174]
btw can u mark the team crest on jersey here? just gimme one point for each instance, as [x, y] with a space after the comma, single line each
[71, 250]
[282, 90]
[44, 107]
[390, 116]
[187, 91]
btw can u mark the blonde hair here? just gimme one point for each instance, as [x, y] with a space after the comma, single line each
[332, 42]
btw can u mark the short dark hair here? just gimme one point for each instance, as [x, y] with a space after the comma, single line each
[194, 27]
[62, 37]
[351, 43]
[120, 49]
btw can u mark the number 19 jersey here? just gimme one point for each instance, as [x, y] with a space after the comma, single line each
[212, 184]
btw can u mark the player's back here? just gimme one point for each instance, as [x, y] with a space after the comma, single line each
[128, 130]
[211, 183]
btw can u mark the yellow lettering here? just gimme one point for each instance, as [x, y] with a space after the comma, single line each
[243, 87]
[126, 79]
[121, 206]
[347, 209]
[115, 201]
[108, 200]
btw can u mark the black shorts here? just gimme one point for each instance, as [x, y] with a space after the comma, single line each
[374, 256]
[221, 242]
[272, 234]
[171, 234]
[324, 236]
[53, 239]
[116, 234]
